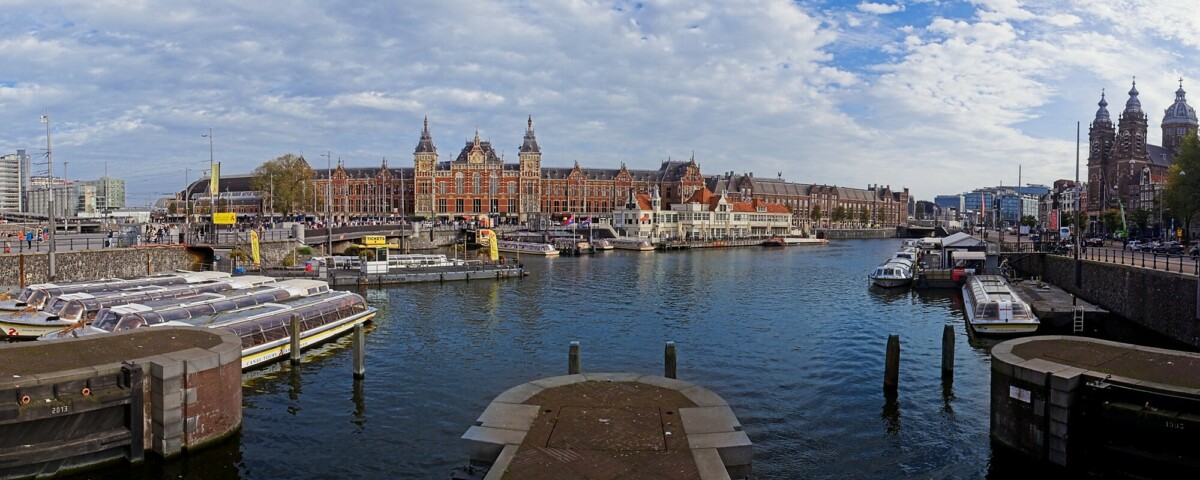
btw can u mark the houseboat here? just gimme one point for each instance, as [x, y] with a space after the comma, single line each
[526, 248]
[895, 272]
[993, 308]
[627, 243]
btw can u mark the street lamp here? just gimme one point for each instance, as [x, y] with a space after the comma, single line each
[328, 203]
[50, 195]
[212, 212]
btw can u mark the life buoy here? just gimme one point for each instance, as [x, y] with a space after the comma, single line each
[25, 400]
[86, 391]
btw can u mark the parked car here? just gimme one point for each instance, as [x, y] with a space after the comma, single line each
[1094, 242]
[1169, 248]
[1194, 251]
[1134, 246]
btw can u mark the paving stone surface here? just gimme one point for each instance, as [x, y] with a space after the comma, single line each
[1179, 369]
[605, 430]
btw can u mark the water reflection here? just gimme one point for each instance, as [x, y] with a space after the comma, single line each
[890, 413]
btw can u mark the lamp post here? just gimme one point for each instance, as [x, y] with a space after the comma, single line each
[212, 198]
[50, 196]
[328, 203]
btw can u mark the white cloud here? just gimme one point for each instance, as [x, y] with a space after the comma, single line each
[880, 8]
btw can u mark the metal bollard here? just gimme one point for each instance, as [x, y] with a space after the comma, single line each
[295, 327]
[669, 360]
[573, 359]
[891, 371]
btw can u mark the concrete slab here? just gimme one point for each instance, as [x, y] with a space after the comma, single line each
[703, 397]
[509, 416]
[715, 419]
[519, 393]
[664, 382]
[708, 461]
[1067, 379]
[559, 381]
[612, 377]
[486, 443]
[166, 368]
[735, 447]
[500, 466]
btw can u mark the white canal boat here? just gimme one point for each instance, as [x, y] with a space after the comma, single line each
[993, 308]
[526, 248]
[895, 272]
[626, 243]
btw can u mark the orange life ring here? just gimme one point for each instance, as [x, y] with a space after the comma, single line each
[25, 400]
[86, 391]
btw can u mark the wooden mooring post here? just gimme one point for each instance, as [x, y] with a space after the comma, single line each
[573, 359]
[891, 370]
[947, 352]
[360, 351]
[669, 360]
[295, 326]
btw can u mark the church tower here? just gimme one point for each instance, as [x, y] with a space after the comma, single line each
[530, 158]
[424, 161]
[1179, 120]
[1101, 135]
[1129, 154]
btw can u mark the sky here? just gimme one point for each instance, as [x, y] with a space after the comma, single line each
[937, 96]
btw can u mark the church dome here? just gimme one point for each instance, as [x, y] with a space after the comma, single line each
[1180, 113]
[1133, 104]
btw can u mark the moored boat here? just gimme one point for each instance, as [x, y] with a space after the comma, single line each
[601, 244]
[993, 308]
[67, 309]
[895, 272]
[34, 297]
[639, 244]
[526, 248]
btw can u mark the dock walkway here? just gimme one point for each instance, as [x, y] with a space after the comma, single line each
[610, 425]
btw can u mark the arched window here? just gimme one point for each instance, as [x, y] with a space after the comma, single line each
[458, 183]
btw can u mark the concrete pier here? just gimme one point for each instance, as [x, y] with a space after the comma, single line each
[81, 402]
[609, 425]
[1098, 405]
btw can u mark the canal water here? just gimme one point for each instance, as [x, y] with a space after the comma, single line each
[794, 339]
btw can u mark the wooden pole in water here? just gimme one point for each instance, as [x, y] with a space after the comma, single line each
[360, 352]
[573, 359]
[669, 360]
[948, 351]
[891, 372]
[295, 326]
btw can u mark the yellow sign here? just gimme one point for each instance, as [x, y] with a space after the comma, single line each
[224, 218]
[375, 241]
[214, 180]
[254, 247]
[488, 237]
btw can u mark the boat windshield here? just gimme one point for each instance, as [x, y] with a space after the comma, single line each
[72, 311]
[105, 319]
[38, 298]
[57, 305]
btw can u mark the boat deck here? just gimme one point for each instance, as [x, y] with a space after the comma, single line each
[1053, 305]
[611, 425]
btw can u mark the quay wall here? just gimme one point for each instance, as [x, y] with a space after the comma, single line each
[856, 233]
[93, 264]
[1161, 301]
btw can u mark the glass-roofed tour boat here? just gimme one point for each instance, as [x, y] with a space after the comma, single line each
[993, 308]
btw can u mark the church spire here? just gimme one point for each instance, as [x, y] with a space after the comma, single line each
[1133, 105]
[426, 143]
[1102, 113]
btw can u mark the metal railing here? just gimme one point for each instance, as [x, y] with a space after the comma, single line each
[1167, 262]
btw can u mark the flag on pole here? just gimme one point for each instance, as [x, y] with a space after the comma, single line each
[569, 220]
[214, 180]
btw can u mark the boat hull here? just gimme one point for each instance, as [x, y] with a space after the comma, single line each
[890, 282]
[269, 352]
[994, 328]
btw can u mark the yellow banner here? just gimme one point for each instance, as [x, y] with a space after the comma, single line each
[489, 237]
[214, 180]
[254, 247]
[227, 218]
[375, 240]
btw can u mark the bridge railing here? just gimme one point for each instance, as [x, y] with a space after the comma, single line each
[1177, 263]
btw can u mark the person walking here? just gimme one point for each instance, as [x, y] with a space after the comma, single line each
[29, 238]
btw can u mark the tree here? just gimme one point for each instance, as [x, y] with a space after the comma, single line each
[864, 216]
[284, 182]
[839, 214]
[1183, 183]
[1029, 221]
[816, 214]
[1111, 219]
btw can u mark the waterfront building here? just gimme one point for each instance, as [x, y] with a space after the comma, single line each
[702, 216]
[14, 181]
[1123, 169]
[480, 182]
[46, 193]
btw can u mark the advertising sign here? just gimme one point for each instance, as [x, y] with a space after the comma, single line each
[227, 218]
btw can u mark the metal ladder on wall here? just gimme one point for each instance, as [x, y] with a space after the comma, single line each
[1077, 319]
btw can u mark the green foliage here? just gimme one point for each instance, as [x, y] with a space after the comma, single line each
[304, 251]
[288, 261]
[864, 216]
[353, 251]
[839, 213]
[1139, 219]
[816, 212]
[1111, 219]
[1182, 190]
[288, 179]
[1029, 221]
[238, 254]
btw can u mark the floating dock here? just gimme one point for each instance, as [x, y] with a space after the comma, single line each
[395, 276]
[1098, 405]
[1054, 306]
[609, 425]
